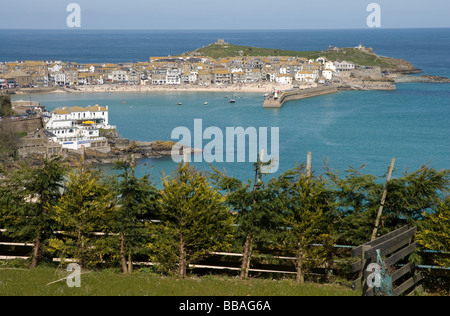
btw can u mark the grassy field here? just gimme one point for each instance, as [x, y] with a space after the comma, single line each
[24, 282]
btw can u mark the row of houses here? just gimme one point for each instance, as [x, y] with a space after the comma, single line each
[174, 71]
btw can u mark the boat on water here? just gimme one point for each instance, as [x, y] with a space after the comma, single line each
[232, 100]
[205, 103]
[124, 102]
[179, 103]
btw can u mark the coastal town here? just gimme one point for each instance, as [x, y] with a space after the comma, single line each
[80, 130]
[188, 70]
[240, 192]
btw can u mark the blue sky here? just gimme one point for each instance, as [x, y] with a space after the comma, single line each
[226, 14]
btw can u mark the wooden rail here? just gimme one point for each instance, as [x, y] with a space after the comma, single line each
[394, 247]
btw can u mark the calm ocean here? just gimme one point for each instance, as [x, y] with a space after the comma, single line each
[349, 128]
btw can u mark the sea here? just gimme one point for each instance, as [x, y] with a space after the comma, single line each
[342, 130]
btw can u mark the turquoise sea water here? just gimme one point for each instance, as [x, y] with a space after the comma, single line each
[349, 128]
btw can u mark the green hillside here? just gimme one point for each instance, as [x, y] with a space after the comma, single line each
[354, 55]
[219, 51]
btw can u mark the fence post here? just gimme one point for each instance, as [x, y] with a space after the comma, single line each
[364, 262]
[383, 199]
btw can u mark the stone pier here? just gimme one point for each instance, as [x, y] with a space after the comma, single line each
[297, 94]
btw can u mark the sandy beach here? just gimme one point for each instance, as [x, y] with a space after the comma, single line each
[249, 88]
[255, 88]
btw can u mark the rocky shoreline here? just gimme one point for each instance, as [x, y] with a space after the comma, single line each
[137, 149]
[119, 149]
[420, 79]
[385, 85]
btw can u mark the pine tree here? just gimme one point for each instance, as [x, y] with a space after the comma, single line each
[27, 199]
[434, 232]
[412, 194]
[194, 219]
[84, 208]
[357, 197]
[310, 217]
[408, 198]
[258, 208]
[136, 204]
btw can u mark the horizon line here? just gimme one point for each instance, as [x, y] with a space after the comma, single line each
[220, 29]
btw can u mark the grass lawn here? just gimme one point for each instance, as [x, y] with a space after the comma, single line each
[23, 282]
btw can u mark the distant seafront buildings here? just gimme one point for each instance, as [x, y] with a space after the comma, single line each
[178, 70]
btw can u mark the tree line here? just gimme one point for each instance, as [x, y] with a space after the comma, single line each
[62, 210]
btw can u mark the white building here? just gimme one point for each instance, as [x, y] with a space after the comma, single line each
[271, 76]
[328, 74]
[54, 67]
[189, 77]
[329, 65]
[306, 75]
[321, 60]
[120, 75]
[75, 126]
[173, 76]
[344, 66]
[284, 79]
[134, 77]
[60, 78]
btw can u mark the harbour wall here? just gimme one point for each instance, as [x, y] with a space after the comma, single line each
[298, 94]
[21, 125]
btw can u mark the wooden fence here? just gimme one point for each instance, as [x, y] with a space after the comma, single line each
[215, 261]
[395, 249]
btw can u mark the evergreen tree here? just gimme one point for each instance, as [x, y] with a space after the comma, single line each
[136, 204]
[434, 232]
[259, 209]
[194, 219]
[357, 198]
[309, 221]
[27, 199]
[412, 194]
[85, 207]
